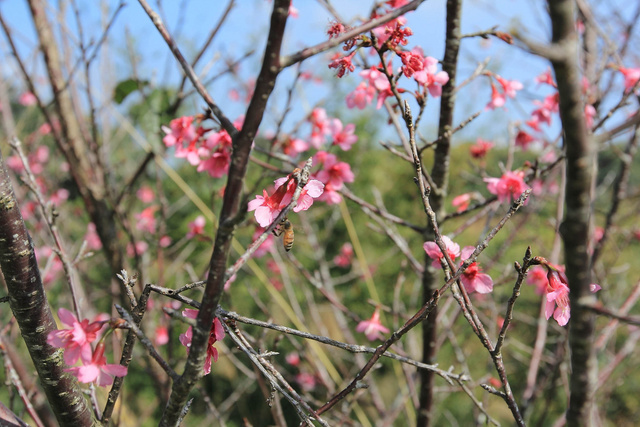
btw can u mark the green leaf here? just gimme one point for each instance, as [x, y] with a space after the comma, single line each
[125, 87]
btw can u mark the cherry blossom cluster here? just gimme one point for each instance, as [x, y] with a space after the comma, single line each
[76, 342]
[209, 150]
[324, 129]
[472, 278]
[391, 36]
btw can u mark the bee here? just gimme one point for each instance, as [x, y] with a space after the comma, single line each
[285, 228]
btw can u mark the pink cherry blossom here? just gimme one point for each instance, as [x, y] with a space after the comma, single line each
[558, 294]
[538, 276]
[146, 194]
[345, 257]
[266, 246]
[411, 62]
[161, 335]
[92, 238]
[53, 266]
[394, 4]
[523, 139]
[196, 227]
[589, 115]
[216, 334]
[98, 370]
[320, 127]
[342, 64]
[462, 202]
[164, 241]
[430, 77]
[179, 130]
[330, 195]
[393, 34]
[509, 87]
[44, 129]
[140, 247]
[293, 359]
[77, 340]
[558, 297]
[343, 136]
[433, 251]
[216, 163]
[480, 149]
[372, 327]
[545, 109]
[267, 208]
[336, 28]
[59, 196]
[631, 77]
[546, 78]
[497, 99]
[511, 184]
[472, 278]
[294, 146]
[372, 75]
[146, 221]
[361, 96]
[27, 99]
[312, 190]
[334, 172]
[306, 380]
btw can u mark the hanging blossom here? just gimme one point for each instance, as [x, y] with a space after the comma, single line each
[267, 207]
[77, 340]
[216, 334]
[473, 279]
[433, 251]
[372, 327]
[497, 99]
[509, 185]
[557, 294]
[631, 77]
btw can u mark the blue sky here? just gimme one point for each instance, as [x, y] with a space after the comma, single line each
[190, 22]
